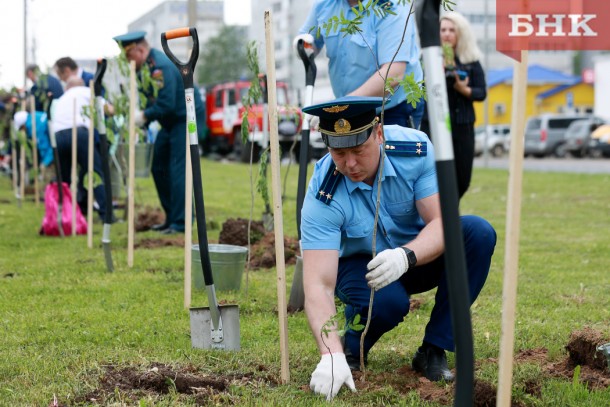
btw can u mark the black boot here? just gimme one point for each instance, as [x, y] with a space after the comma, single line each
[432, 362]
[353, 361]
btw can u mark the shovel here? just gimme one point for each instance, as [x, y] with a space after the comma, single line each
[215, 327]
[101, 129]
[296, 301]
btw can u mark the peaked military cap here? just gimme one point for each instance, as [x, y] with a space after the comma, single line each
[129, 39]
[347, 121]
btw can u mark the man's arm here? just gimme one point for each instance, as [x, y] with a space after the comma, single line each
[319, 280]
[429, 243]
[374, 84]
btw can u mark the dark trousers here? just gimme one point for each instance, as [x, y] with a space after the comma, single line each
[168, 170]
[391, 303]
[463, 151]
[64, 150]
[405, 115]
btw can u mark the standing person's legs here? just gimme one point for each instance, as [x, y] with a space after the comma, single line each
[160, 171]
[177, 168]
[463, 148]
[82, 155]
[64, 152]
[390, 304]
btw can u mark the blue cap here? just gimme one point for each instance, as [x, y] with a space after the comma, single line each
[132, 37]
[348, 121]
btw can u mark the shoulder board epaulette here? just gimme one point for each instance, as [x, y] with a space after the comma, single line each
[329, 185]
[407, 148]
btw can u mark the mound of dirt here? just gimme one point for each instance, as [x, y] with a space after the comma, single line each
[146, 217]
[582, 349]
[235, 232]
[150, 243]
[262, 244]
[131, 383]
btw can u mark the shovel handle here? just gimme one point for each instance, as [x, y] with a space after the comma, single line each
[309, 63]
[99, 74]
[186, 69]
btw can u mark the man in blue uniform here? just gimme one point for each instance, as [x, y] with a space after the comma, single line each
[337, 230]
[45, 87]
[165, 104]
[358, 62]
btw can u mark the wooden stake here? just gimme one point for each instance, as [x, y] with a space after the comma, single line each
[277, 197]
[34, 149]
[513, 220]
[14, 172]
[188, 224]
[132, 162]
[22, 172]
[73, 175]
[90, 169]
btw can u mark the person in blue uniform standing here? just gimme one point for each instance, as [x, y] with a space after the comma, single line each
[166, 105]
[45, 87]
[337, 229]
[357, 62]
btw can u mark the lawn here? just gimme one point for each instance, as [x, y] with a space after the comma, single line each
[75, 332]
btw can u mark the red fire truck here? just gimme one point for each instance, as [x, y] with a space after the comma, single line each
[224, 111]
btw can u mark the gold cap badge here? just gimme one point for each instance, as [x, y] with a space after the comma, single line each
[335, 109]
[342, 126]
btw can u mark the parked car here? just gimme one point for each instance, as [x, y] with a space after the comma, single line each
[578, 136]
[545, 134]
[498, 139]
[599, 144]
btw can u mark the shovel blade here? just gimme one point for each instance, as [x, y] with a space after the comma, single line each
[202, 327]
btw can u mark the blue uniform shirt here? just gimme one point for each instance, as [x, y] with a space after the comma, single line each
[346, 223]
[42, 137]
[351, 62]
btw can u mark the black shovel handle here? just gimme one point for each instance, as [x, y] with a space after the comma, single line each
[308, 62]
[455, 263]
[186, 69]
[101, 129]
[310, 78]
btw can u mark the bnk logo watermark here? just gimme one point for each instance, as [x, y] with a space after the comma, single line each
[552, 25]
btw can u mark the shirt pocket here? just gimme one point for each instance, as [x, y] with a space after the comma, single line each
[359, 229]
[363, 51]
[333, 42]
[403, 212]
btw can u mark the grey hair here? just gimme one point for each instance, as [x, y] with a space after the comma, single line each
[466, 48]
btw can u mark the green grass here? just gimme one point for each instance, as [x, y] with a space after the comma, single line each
[63, 317]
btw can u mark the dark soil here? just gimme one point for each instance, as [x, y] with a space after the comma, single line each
[153, 243]
[129, 384]
[235, 232]
[132, 383]
[582, 351]
[262, 244]
[146, 217]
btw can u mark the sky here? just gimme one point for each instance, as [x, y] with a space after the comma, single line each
[82, 29]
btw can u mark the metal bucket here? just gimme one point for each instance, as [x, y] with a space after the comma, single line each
[201, 328]
[228, 262]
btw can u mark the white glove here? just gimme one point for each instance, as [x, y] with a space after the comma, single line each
[307, 39]
[140, 119]
[386, 268]
[333, 370]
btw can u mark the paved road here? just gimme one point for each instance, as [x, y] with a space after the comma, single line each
[578, 165]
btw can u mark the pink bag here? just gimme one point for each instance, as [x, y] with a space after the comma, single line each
[50, 226]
